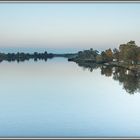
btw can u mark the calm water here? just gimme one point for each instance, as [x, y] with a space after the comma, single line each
[58, 98]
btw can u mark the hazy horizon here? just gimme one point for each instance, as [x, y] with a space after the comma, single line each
[68, 25]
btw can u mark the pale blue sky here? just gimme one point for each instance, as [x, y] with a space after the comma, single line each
[65, 25]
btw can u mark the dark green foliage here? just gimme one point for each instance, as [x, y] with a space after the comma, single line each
[86, 56]
[129, 52]
[24, 56]
[116, 54]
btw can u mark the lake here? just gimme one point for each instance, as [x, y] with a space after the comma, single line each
[58, 98]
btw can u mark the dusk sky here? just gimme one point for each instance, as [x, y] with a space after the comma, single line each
[69, 25]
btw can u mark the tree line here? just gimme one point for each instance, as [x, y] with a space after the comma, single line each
[126, 53]
[21, 56]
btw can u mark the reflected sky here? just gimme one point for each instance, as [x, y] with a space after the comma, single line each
[57, 98]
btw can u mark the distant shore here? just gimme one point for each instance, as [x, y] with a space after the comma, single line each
[127, 56]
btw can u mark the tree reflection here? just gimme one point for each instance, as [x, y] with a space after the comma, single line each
[89, 66]
[130, 80]
[107, 71]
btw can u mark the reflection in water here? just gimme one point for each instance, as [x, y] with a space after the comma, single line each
[89, 66]
[26, 59]
[129, 79]
[58, 99]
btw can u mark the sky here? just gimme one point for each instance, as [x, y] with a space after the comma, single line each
[68, 25]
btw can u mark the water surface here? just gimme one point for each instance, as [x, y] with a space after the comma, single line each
[58, 98]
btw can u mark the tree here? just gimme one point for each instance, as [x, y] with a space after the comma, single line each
[129, 53]
[99, 59]
[104, 56]
[109, 54]
[116, 54]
